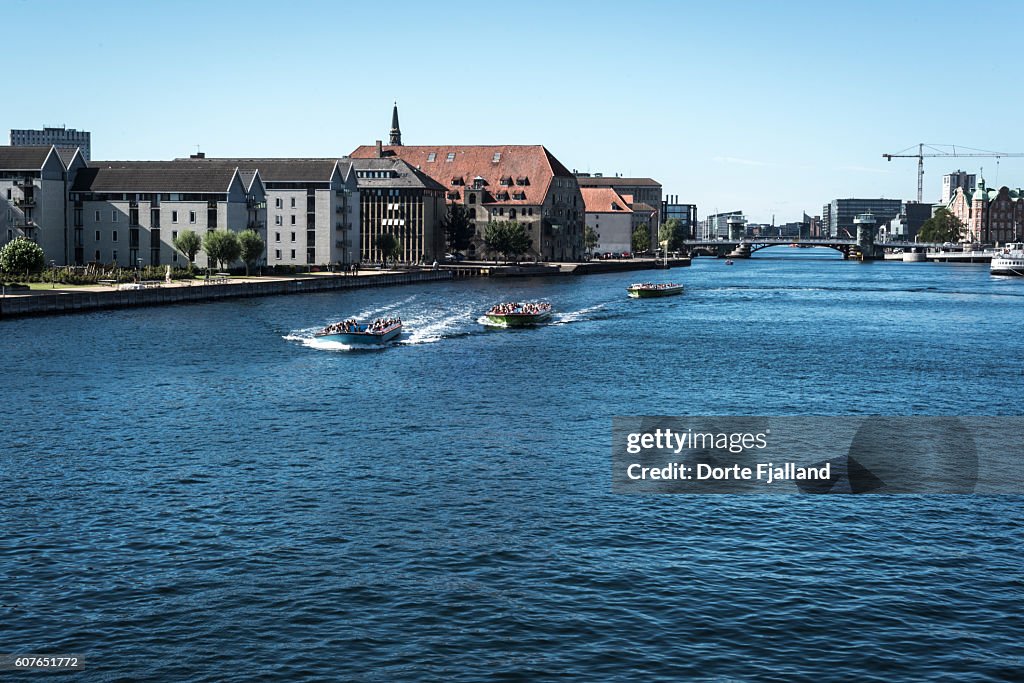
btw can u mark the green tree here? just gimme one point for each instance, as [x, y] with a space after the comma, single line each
[22, 255]
[642, 238]
[497, 238]
[222, 247]
[251, 247]
[508, 238]
[458, 228]
[672, 232]
[942, 227]
[590, 239]
[189, 244]
[519, 241]
[389, 246]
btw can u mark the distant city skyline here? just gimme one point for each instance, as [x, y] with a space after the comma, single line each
[774, 110]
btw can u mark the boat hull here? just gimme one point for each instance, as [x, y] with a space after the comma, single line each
[1007, 265]
[362, 338]
[518, 319]
[654, 293]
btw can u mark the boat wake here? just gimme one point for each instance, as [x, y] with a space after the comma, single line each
[578, 316]
[424, 330]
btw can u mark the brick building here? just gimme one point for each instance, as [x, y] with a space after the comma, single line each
[990, 216]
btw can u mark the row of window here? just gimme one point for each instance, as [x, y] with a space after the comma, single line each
[501, 212]
[154, 257]
[114, 216]
[279, 202]
[113, 235]
[310, 255]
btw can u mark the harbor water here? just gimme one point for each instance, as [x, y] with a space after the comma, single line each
[209, 493]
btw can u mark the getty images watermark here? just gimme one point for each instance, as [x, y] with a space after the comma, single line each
[816, 455]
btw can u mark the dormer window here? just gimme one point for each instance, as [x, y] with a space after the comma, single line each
[451, 156]
[506, 180]
[522, 180]
[479, 182]
[431, 157]
[457, 180]
[519, 195]
[496, 158]
[454, 194]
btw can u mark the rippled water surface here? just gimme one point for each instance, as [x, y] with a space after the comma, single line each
[207, 492]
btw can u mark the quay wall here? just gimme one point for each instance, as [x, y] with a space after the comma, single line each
[594, 267]
[84, 301]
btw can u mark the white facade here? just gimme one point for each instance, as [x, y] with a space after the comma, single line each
[130, 228]
[315, 223]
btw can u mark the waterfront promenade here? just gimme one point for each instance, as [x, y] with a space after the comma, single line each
[97, 297]
[60, 300]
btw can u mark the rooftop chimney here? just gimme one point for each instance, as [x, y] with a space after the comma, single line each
[380, 151]
[197, 155]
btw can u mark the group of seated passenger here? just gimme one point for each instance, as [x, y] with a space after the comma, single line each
[653, 285]
[353, 327]
[381, 324]
[514, 308]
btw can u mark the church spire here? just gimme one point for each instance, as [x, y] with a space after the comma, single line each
[396, 132]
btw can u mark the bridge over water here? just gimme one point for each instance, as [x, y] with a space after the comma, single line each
[863, 249]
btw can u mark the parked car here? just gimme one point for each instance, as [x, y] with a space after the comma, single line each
[454, 257]
[626, 254]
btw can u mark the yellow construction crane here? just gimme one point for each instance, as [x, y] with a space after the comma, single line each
[942, 151]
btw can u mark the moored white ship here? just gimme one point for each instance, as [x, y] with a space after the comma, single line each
[1009, 260]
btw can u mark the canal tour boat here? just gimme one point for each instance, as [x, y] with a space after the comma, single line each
[1008, 261]
[516, 314]
[379, 331]
[645, 290]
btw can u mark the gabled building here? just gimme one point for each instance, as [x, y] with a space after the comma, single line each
[33, 198]
[523, 183]
[129, 212]
[645, 197]
[312, 210]
[397, 198]
[309, 211]
[990, 216]
[609, 216]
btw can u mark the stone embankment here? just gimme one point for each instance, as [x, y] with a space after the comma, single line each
[83, 299]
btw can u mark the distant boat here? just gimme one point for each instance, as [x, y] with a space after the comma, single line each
[516, 314]
[1008, 261]
[646, 290]
[728, 262]
[379, 331]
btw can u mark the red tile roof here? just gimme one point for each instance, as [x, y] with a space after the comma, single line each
[529, 168]
[604, 200]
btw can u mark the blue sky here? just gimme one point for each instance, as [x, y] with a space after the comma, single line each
[773, 108]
